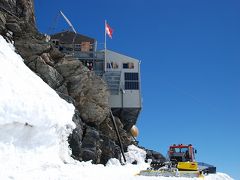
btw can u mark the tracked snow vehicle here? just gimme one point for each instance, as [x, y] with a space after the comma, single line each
[181, 163]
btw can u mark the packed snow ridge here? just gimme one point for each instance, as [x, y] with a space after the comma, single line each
[34, 125]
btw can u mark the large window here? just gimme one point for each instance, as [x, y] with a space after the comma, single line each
[86, 46]
[112, 65]
[128, 65]
[131, 81]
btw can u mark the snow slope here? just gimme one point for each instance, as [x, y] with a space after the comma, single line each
[34, 125]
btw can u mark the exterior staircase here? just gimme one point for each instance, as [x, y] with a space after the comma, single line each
[113, 79]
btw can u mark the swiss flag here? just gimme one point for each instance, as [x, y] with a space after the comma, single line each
[109, 30]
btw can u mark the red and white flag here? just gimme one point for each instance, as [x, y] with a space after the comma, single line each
[109, 30]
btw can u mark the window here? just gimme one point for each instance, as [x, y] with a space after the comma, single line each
[77, 47]
[56, 42]
[131, 76]
[86, 46]
[129, 65]
[112, 65]
[125, 65]
[131, 81]
[69, 49]
[131, 85]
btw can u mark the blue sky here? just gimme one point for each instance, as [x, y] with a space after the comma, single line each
[190, 65]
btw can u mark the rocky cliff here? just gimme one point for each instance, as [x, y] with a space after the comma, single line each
[94, 137]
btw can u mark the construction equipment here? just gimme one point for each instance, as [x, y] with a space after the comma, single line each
[181, 163]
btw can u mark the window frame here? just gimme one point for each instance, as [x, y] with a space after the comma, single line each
[131, 81]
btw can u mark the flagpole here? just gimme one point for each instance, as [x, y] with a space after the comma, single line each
[105, 47]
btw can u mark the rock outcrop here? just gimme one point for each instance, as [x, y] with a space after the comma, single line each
[94, 137]
[17, 16]
[88, 90]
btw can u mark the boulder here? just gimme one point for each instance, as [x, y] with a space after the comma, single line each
[28, 47]
[88, 90]
[109, 150]
[56, 54]
[62, 89]
[21, 10]
[75, 138]
[2, 19]
[70, 67]
[47, 58]
[46, 72]
[154, 156]
[25, 10]
[110, 144]
[125, 137]
[107, 129]
[90, 145]
[69, 99]
[14, 27]
[2, 23]
[8, 5]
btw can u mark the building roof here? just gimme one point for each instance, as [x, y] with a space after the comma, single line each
[67, 37]
[120, 56]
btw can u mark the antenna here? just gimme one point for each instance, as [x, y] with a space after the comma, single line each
[52, 28]
[73, 29]
[69, 22]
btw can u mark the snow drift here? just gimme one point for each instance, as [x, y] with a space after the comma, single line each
[34, 125]
[34, 121]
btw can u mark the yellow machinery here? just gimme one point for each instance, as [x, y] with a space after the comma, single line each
[181, 164]
[190, 166]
